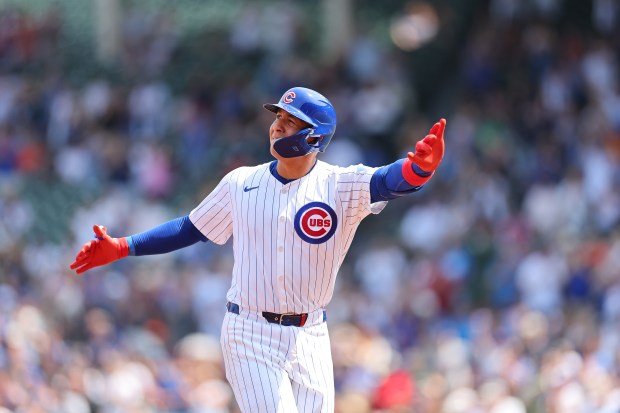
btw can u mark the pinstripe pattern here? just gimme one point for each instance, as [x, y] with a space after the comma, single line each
[273, 368]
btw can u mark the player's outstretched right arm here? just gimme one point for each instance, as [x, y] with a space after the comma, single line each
[170, 236]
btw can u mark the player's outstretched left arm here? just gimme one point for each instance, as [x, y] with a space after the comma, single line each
[410, 174]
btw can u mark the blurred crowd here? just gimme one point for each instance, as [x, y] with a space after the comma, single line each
[495, 289]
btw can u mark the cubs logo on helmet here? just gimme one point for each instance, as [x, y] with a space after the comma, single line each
[316, 222]
[288, 98]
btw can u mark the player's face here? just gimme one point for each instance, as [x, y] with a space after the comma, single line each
[284, 125]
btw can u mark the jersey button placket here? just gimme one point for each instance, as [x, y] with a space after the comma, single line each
[281, 293]
[280, 254]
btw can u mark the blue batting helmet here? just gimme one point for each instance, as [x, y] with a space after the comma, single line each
[314, 109]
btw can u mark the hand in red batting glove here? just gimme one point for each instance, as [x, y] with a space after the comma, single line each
[429, 151]
[428, 154]
[100, 251]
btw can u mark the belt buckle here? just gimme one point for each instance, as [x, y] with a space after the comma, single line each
[281, 317]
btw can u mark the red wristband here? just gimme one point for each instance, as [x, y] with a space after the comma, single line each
[123, 247]
[412, 177]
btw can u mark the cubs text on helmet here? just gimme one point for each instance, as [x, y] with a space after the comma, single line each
[314, 109]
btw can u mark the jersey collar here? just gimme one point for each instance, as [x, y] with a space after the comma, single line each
[274, 171]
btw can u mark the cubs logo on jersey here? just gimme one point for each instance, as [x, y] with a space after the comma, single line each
[316, 222]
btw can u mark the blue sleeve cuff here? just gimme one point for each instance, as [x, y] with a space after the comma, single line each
[388, 183]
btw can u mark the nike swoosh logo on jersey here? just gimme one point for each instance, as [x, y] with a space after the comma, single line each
[246, 189]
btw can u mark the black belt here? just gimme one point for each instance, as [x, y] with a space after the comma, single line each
[296, 320]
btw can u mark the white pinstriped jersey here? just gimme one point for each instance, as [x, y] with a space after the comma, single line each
[289, 240]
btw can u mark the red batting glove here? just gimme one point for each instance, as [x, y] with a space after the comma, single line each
[100, 251]
[428, 154]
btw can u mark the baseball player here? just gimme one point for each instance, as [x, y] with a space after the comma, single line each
[292, 221]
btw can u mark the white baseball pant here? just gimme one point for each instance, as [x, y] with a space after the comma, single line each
[278, 369]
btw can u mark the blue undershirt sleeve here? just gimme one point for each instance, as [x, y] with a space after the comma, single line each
[170, 236]
[388, 182]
